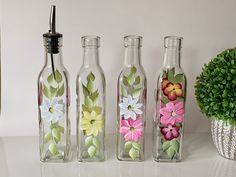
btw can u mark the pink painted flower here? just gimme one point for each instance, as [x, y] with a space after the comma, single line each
[172, 113]
[132, 129]
[170, 132]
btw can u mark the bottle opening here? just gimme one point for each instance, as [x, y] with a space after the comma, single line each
[90, 41]
[173, 41]
[133, 40]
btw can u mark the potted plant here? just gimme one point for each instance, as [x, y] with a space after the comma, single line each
[216, 96]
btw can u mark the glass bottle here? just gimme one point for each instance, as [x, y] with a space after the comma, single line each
[53, 100]
[170, 94]
[90, 103]
[131, 103]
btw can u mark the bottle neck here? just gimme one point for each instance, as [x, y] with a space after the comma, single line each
[132, 56]
[91, 56]
[172, 57]
[55, 57]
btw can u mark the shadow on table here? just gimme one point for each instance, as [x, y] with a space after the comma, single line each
[3, 160]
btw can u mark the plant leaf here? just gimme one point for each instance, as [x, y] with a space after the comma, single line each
[94, 96]
[96, 143]
[165, 145]
[85, 90]
[171, 74]
[128, 145]
[86, 108]
[91, 151]
[170, 152]
[175, 145]
[56, 134]
[53, 90]
[136, 145]
[123, 91]
[58, 76]
[60, 129]
[53, 148]
[50, 78]
[91, 77]
[137, 80]
[90, 85]
[88, 102]
[131, 79]
[47, 137]
[88, 141]
[46, 92]
[133, 70]
[97, 109]
[61, 90]
[178, 78]
[164, 100]
[133, 153]
[180, 99]
[125, 81]
[136, 92]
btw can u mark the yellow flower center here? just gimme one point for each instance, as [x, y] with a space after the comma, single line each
[173, 113]
[51, 110]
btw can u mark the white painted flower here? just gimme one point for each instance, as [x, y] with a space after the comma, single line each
[52, 109]
[130, 107]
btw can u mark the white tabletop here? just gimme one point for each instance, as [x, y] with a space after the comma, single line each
[19, 157]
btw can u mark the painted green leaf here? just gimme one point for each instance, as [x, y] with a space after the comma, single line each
[180, 99]
[133, 70]
[91, 77]
[61, 129]
[58, 76]
[88, 141]
[90, 85]
[88, 102]
[137, 80]
[94, 96]
[175, 145]
[97, 109]
[133, 153]
[171, 74]
[170, 152]
[86, 108]
[47, 137]
[50, 78]
[91, 151]
[128, 145]
[164, 75]
[136, 145]
[61, 90]
[96, 143]
[178, 78]
[85, 90]
[164, 100]
[125, 81]
[131, 79]
[123, 91]
[46, 92]
[53, 148]
[136, 92]
[53, 90]
[56, 134]
[165, 145]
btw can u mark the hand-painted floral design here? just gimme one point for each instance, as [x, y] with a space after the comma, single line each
[132, 129]
[52, 110]
[92, 123]
[172, 91]
[172, 113]
[130, 107]
[131, 124]
[170, 132]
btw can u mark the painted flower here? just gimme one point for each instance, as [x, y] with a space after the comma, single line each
[52, 110]
[132, 129]
[164, 83]
[173, 91]
[172, 113]
[170, 132]
[130, 107]
[91, 123]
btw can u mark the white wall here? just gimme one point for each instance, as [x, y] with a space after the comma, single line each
[208, 27]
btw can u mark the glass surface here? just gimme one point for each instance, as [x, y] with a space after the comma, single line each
[90, 104]
[53, 108]
[170, 95]
[131, 103]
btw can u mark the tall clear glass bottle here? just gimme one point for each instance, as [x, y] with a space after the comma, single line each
[170, 94]
[90, 104]
[53, 100]
[131, 103]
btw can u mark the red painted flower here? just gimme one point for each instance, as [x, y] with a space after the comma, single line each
[164, 83]
[170, 132]
[173, 91]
